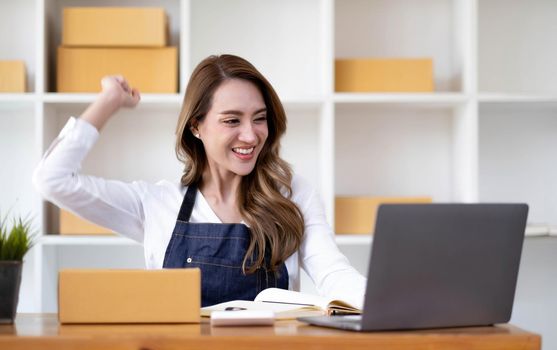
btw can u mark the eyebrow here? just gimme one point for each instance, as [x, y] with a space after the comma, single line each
[236, 112]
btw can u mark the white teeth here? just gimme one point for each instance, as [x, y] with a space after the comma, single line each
[243, 150]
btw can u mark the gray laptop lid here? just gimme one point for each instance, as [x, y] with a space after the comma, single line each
[443, 265]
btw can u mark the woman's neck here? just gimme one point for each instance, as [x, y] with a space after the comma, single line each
[221, 187]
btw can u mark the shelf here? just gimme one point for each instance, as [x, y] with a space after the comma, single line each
[434, 99]
[17, 97]
[516, 98]
[161, 99]
[427, 99]
[61, 98]
[10, 101]
[343, 240]
[537, 230]
[541, 231]
[58, 240]
[72, 103]
[531, 231]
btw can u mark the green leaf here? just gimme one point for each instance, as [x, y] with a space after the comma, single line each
[16, 244]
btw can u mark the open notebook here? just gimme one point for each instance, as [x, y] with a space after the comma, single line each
[287, 304]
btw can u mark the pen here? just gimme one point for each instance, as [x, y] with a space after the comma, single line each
[234, 308]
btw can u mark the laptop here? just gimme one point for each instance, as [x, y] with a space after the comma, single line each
[439, 265]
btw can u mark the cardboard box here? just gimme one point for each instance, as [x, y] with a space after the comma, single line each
[149, 70]
[357, 215]
[384, 75]
[129, 296]
[114, 26]
[71, 224]
[12, 76]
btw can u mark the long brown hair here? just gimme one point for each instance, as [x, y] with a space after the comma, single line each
[264, 196]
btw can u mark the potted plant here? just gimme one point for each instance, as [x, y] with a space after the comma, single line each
[14, 243]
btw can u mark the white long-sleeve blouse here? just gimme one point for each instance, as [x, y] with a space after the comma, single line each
[147, 213]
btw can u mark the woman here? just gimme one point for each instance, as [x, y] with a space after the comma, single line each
[237, 213]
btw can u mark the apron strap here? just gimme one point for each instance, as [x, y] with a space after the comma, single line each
[187, 203]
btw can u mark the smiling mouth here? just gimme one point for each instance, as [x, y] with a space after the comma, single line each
[243, 151]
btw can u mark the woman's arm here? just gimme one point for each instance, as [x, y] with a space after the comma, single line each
[320, 257]
[112, 204]
[116, 93]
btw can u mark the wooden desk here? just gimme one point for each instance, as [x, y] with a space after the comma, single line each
[42, 331]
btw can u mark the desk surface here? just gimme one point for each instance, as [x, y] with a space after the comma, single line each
[42, 331]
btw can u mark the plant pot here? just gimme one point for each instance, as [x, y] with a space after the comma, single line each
[10, 279]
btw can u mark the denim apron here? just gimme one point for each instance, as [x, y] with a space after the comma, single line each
[218, 250]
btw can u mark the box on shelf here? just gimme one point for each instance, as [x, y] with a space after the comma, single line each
[12, 76]
[357, 215]
[114, 26]
[129, 296]
[71, 224]
[148, 69]
[384, 75]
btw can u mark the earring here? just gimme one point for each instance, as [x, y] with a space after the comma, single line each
[196, 135]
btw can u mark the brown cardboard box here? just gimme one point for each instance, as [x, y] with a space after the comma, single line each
[114, 26]
[12, 76]
[149, 70]
[129, 296]
[357, 215]
[71, 224]
[384, 75]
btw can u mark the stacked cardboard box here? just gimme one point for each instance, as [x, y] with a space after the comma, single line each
[357, 215]
[99, 41]
[71, 224]
[384, 75]
[12, 76]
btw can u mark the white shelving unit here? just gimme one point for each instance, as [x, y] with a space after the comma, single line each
[487, 132]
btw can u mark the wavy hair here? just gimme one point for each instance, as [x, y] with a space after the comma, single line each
[264, 195]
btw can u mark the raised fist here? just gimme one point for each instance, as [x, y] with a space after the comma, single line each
[117, 89]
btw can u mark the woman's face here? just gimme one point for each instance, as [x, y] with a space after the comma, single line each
[235, 128]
